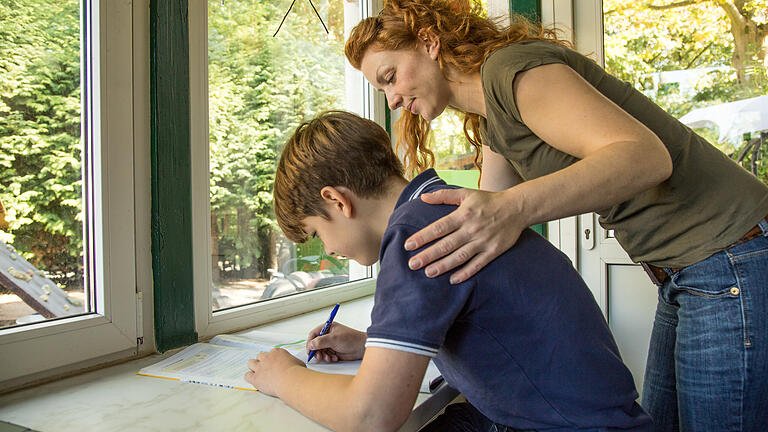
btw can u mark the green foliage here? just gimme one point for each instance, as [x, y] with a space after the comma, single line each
[645, 40]
[314, 248]
[448, 142]
[40, 151]
[260, 88]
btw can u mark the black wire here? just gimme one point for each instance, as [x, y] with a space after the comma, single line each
[318, 16]
[289, 10]
[284, 16]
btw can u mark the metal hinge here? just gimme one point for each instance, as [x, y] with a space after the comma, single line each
[139, 319]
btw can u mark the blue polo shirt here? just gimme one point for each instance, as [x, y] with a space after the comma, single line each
[523, 340]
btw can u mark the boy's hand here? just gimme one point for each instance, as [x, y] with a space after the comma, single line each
[268, 369]
[340, 343]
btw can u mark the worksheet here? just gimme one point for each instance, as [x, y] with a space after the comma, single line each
[223, 361]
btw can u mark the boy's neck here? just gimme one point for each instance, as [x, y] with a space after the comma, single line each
[376, 211]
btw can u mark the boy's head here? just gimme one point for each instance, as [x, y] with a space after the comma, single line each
[327, 157]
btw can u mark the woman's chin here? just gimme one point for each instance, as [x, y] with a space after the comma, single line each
[429, 116]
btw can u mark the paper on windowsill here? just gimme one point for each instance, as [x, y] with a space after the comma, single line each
[222, 361]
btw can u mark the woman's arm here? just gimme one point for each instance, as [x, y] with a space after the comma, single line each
[620, 158]
[498, 174]
[379, 398]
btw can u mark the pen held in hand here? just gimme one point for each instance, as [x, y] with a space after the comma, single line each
[325, 329]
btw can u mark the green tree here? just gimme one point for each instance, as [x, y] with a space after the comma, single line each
[685, 34]
[40, 150]
[260, 88]
[722, 42]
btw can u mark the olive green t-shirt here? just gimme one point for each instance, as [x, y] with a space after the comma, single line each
[708, 203]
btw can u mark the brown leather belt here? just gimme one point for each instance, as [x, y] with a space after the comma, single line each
[658, 275]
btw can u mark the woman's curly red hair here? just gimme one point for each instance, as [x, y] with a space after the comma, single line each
[466, 38]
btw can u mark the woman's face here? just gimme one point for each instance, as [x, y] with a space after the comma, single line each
[410, 78]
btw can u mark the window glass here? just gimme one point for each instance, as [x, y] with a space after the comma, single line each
[703, 62]
[41, 205]
[271, 66]
[454, 155]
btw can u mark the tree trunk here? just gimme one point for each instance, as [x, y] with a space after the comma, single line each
[215, 276]
[749, 51]
[750, 39]
[267, 249]
[3, 222]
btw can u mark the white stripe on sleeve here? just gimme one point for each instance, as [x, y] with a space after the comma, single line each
[418, 191]
[401, 346]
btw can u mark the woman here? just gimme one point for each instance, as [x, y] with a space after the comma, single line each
[561, 137]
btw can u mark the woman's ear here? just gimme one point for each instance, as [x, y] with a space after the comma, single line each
[431, 43]
[338, 199]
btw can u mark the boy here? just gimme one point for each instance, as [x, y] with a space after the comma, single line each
[523, 339]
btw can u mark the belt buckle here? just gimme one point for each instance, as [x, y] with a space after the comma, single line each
[651, 274]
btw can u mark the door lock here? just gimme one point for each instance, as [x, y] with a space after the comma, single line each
[587, 223]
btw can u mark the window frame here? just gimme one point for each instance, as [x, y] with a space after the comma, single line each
[209, 323]
[53, 347]
[582, 23]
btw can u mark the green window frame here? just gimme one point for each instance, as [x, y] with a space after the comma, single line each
[171, 181]
[530, 9]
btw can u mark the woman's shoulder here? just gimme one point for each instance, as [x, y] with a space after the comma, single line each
[519, 54]
[500, 68]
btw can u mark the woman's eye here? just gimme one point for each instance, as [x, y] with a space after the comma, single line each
[391, 78]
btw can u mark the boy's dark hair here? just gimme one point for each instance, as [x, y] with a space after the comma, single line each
[336, 148]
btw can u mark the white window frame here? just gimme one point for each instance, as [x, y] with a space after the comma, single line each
[209, 323]
[581, 23]
[37, 351]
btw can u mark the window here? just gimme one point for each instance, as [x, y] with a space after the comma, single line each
[258, 70]
[704, 63]
[454, 155]
[42, 270]
[67, 186]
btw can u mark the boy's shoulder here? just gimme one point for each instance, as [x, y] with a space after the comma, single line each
[418, 214]
[413, 215]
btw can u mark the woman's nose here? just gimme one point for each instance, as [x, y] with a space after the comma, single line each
[394, 100]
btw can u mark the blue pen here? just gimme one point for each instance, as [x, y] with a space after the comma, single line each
[325, 329]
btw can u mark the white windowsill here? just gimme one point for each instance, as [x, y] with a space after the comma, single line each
[115, 398]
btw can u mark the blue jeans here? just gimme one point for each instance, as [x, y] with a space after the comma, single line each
[707, 366]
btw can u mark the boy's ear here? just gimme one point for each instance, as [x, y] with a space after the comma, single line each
[338, 199]
[431, 43]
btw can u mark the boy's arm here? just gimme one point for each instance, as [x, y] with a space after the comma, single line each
[379, 398]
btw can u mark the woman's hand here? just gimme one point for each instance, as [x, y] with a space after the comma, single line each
[268, 369]
[485, 225]
[340, 343]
